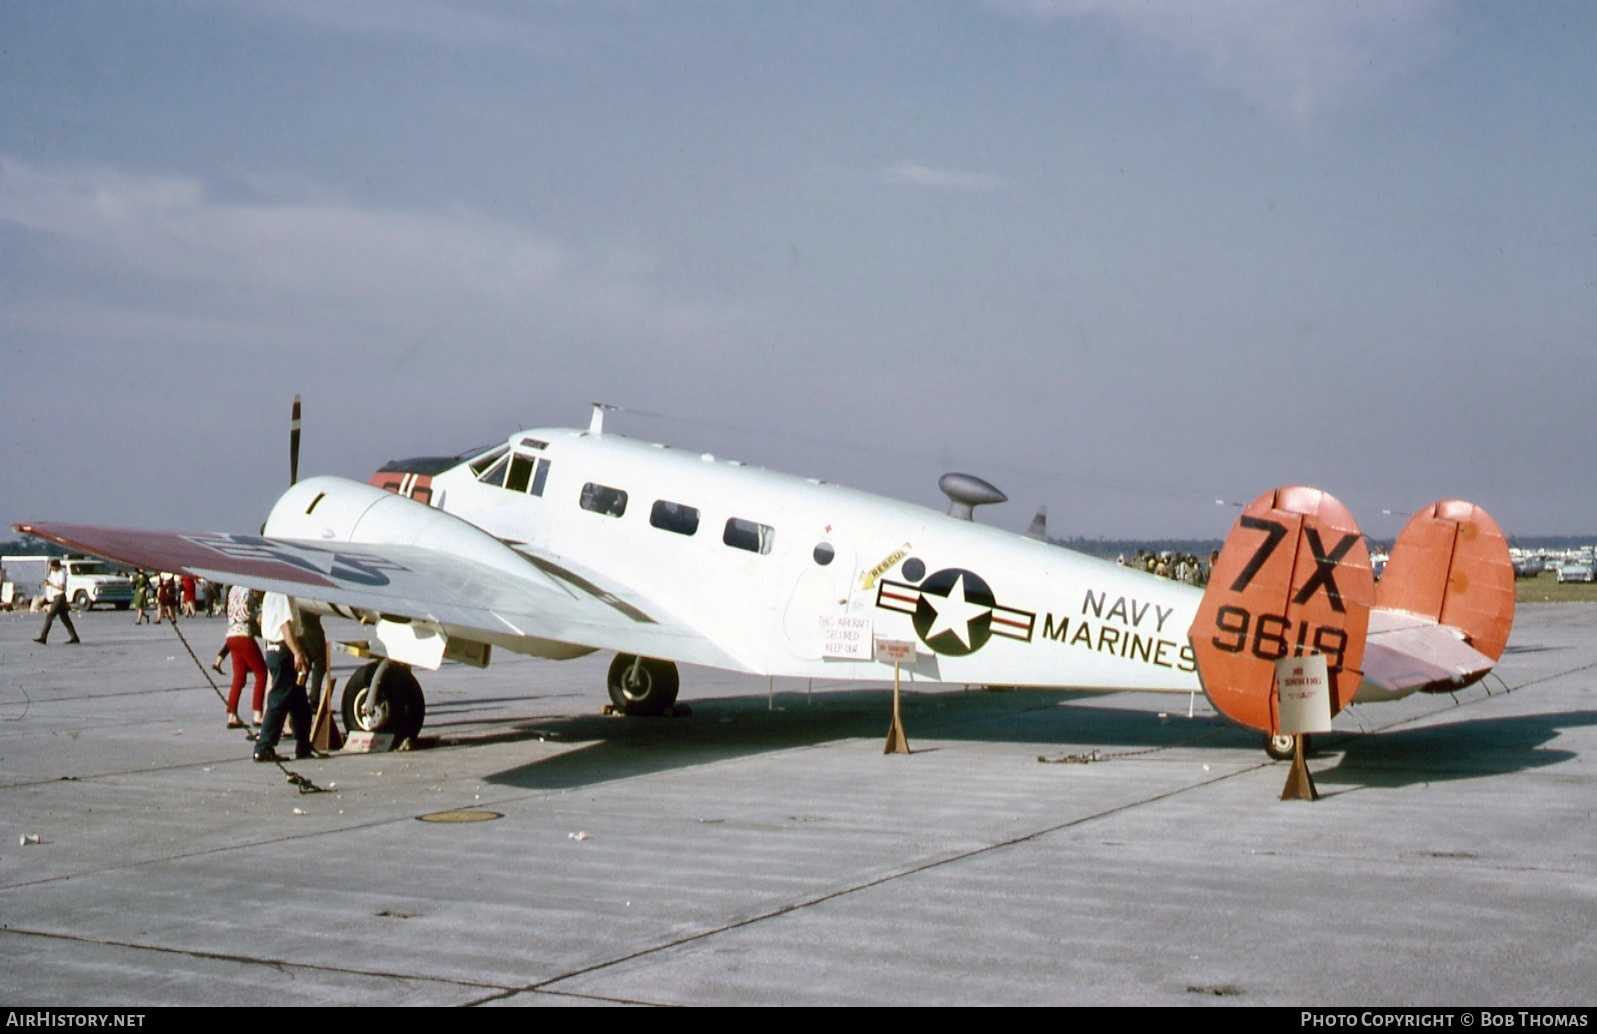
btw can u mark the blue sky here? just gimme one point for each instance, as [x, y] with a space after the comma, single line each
[1122, 259]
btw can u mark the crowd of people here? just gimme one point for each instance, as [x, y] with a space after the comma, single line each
[1180, 567]
[170, 595]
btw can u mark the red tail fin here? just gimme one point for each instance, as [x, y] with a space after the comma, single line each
[1451, 564]
[1293, 578]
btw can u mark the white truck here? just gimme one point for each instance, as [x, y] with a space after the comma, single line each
[97, 583]
[90, 583]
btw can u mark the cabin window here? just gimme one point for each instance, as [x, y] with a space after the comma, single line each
[677, 517]
[535, 443]
[742, 534]
[824, 553]
[483, 462]
[520, 472]
[612, 502]
[496, 473]
[539, 478]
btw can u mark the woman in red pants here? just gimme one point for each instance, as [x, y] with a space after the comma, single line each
[243, 625]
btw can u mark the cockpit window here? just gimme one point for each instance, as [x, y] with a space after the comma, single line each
[496, 473]
[487, 459]
[612, 502]
[520, 473]
[677, 517]
[742, 534]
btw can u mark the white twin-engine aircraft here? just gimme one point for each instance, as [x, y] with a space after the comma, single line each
[557, 543]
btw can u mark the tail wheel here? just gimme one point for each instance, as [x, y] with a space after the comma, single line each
[400, 710]
[1280, 746]
[644, 687]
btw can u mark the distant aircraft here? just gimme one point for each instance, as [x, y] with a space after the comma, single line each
[557, 543]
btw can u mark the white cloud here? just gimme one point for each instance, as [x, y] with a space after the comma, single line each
[948, 179]
[1294, 59]
[317, 268]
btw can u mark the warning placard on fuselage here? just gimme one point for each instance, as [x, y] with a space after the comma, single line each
[846, 637]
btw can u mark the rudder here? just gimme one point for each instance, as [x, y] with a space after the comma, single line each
[1451, 564]
[1293, 578]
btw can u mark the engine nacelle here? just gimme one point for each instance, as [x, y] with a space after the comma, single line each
[332, 511]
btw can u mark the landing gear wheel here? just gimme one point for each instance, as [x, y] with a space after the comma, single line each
[650, 692]
[401, 708]
[1281, 748]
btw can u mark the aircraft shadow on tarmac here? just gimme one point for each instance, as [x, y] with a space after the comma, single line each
[602, 749]
[1455, 750]
[605, 749]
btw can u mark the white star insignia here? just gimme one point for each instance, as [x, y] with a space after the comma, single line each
[954, 613]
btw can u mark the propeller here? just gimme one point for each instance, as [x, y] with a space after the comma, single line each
[293, 445]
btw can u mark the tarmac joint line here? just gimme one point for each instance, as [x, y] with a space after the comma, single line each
[545, 986]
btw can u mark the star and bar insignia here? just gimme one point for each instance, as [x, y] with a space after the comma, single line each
[955, 611]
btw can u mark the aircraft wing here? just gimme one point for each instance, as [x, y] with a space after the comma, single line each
[492, 593]
[1404, 652]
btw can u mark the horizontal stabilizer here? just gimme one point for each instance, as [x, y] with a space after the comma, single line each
[1406, 653]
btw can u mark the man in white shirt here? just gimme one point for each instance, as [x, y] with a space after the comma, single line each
[285, 659]
[55, 594]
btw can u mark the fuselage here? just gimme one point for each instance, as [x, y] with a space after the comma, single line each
[797, 577]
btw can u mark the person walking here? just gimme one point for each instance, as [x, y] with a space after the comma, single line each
[166, 598]
[55, 595]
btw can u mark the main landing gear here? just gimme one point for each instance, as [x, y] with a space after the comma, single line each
[642, 686]
[384, 696]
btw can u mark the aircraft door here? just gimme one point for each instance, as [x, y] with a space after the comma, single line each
[827, 565]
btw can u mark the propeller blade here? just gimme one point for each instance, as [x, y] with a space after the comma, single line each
[1039, 525]
[293, 445]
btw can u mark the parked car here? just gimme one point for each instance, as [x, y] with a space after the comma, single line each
[1576, 571]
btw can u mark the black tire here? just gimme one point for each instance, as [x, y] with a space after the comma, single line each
[81, 601]
[401, 707]
[1281, 748]
[652, 694]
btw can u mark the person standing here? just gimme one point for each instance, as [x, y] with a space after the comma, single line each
[55, 595]
[243, 617]
[141, 595]
[313, 639]
[285, 659]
